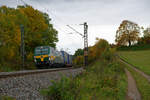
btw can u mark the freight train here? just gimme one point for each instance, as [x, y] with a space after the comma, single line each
[50, 57]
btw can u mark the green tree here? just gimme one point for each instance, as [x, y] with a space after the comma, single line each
[146, 36]
[79, 52]
[147, 32]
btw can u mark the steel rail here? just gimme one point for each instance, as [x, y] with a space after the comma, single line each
[29, 72]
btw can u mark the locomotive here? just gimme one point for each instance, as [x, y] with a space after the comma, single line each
[46, 55]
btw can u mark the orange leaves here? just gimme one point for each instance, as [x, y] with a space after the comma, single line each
[30, 56]
[36, 19]
[128, 32]
[78, 60]
[100, 49]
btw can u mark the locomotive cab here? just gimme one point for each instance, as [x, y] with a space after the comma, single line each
[46, 55]
[42, 55]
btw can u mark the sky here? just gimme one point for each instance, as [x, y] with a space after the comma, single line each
[102, 16]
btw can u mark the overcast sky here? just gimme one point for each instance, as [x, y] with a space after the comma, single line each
[102, 16]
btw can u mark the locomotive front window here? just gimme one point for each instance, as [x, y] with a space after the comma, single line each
[45, 51]
[41, 51]
[38, 51]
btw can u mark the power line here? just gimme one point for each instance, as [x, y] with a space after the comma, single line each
[24, 2]
[56, 17]
[75, 31]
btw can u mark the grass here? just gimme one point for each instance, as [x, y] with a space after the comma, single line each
[142, 83]
[140, 59]
[10, 68]
[102, 80]
[6, 98]
[5, 69]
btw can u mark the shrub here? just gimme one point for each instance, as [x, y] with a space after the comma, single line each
[65, 89]
[78, 60]
[101, 49]
[108, 53]
[134, 47]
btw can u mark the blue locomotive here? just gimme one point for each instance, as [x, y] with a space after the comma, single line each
[46, 55]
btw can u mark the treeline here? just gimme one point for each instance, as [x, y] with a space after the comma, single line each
[101, 50]
[38, 30]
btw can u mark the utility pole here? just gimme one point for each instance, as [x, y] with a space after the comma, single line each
[85, 44]
[22, 45]
[85, 36]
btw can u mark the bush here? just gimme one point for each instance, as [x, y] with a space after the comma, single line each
[134, 47]
[108, 54]
[78, 60]
[101, 49]
[103, 80]
[65, 89]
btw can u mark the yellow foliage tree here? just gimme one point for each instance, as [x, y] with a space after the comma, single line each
[37, 31]
[101, 49]
[128, 32]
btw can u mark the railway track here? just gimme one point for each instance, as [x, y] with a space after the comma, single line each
[29, 72]
[26, 85]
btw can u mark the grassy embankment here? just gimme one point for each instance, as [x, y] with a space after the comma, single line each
[140, 59]
[6, 98]
[5, 69]
[102, 80]
[142, 83]
[9, 68]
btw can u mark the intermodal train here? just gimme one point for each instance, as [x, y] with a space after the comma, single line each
[47, 55]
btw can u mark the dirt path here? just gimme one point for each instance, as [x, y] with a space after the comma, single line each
[133, 93]
[137, 70]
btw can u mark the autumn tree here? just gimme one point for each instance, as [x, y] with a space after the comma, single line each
[38, 31]
[100, 50]
[127, 33]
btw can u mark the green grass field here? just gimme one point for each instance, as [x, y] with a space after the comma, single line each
[140, 59]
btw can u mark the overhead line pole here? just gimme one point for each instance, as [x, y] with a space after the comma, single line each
[85, 44]
[22, 45]
[85, 36]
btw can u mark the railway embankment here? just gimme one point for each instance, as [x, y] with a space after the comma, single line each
[27, 87]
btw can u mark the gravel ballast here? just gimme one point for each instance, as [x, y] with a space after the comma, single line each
[27, 87]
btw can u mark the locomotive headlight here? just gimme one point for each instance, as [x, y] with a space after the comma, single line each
[35, 60]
